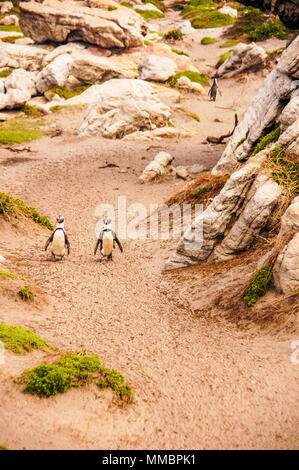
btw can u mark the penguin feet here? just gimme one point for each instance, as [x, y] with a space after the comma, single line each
[102, 261]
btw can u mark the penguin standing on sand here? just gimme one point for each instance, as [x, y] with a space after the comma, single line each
[106, 240]
[213, 90]
[58, 240]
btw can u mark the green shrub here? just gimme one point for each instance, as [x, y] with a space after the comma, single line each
[11, 39]
[21, 340]
[174, 34]
[67, 93]
[207, 40]
[111, 8]
[127, 4]
[30, 110]
[230, 44]
[258, 286]
[5, 274]
[18, 131]
[26, 293]
[240, 142]
[16, 208]
[223, 58]
[10, 28]
[212, 19]
[179, 52]
[5, 73]
[266, 140]
[74, 370]
[268, 29]
[150, 14]
[193, 76]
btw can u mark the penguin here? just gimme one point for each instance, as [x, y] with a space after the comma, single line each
[59, 240]
[106, 240]
[213, 90]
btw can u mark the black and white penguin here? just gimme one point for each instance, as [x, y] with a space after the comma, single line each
[106, 240]
[59, 240]
[213, 90]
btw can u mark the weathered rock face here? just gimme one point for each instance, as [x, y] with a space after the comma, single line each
[20, 57]
[9, 20]
[244, 57]
[69, 21]
[156, 68]
[288, 10]
[19, 86]
[5, 7]
[247, 203]
[122, 107]
[265, 109]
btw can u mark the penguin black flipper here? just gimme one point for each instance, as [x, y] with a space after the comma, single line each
[99, 242]
[50, 239]
[67, 243]
[118, 242]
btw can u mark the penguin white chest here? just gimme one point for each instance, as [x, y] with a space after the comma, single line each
[107, 246]
[58, 243]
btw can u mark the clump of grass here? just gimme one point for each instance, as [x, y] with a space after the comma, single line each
[201, 190]
[268, 29]
[67, 93]
[284, 170]
[30, 110]
[3, 447]
[254, 25]
[170, 123]
[208, 40]
[174, 34]
[16, 207]
[111, 8]
[127, 4]
[212, 19]
[197, 7]
[5, 274]
[74, 370]
[230, 43]
[21, 340]
[240, 142]
[57, 107]
[223, 58]
[114, 380]
[179, 52]
[193, 76]
[18, 131]
[266, 140]
[11, 28]
[150, 14]
[147, 43]
[5, 73]
[258, 285]
[12, 39]
[26, 293]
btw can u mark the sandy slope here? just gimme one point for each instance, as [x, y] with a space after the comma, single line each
[198, 382]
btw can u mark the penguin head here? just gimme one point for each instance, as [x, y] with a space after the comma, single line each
[107, 220]
[60, 221]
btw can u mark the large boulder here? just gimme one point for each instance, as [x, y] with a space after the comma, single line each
[19, 87]
[122, 107]
[70, 21]
[55, 74]
[156, 68]
[244, 57]
[17, 56]
[268, 104]
[286, 269]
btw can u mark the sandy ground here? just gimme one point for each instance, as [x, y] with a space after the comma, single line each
[199, 382]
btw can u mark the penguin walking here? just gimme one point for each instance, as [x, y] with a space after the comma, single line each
[213, 90]
[59, 240]
[106, 240]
